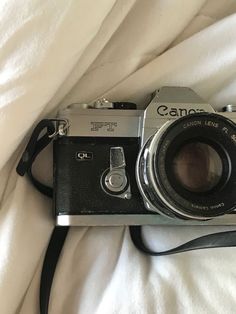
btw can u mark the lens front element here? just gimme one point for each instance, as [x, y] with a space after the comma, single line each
[197, 167]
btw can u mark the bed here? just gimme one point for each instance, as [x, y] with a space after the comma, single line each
[54, 53]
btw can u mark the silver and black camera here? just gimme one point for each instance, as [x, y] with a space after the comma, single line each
[172, 163]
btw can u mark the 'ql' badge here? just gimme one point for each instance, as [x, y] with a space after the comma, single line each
[81, 156]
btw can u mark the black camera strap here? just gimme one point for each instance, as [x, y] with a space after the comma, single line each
[210, 241]
[35, 146]
[58, 236]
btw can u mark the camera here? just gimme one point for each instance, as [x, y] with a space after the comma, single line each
[172, 163]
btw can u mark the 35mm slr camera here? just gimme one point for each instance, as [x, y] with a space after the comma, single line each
[172, 163]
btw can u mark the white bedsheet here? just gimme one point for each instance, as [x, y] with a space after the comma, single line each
[54, 53]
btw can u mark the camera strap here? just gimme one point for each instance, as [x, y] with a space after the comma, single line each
[210, 241]
[35, 145]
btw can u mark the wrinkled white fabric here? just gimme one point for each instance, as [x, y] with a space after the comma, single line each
[53, 53]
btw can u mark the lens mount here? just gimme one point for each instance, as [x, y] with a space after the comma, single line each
[202, 187]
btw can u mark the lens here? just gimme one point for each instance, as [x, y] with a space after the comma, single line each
[197, 167]
[187, 169]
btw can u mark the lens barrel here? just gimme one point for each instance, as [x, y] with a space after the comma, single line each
[187, 169]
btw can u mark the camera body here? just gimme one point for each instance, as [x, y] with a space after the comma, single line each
[113, 165]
